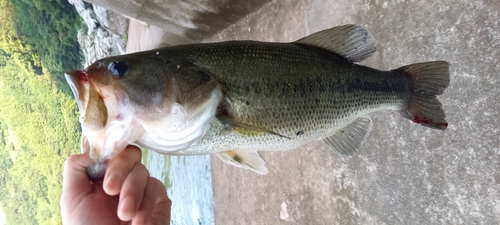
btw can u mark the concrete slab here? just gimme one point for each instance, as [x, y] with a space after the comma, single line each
[142, 37]
[192, 19]
[404, 173]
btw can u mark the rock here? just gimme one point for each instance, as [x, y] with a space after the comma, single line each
[106, 34]
[88, 15]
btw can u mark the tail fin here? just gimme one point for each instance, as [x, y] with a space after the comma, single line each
[428, 80]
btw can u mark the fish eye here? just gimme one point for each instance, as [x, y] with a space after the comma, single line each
[118, 68]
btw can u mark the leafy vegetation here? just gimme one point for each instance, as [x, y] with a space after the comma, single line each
[44, 37]
[38, 115]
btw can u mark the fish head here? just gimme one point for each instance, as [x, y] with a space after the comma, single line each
[114, 96]
[141, 99]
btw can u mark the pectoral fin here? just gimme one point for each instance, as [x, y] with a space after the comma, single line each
[244, 159]
[249, 127]
[348, 140]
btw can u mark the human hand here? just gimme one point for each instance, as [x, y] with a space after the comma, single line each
[127, 193]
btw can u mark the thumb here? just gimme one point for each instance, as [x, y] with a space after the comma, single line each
[75, 179]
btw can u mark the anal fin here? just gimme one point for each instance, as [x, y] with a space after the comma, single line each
[348, 139]
[244, 159]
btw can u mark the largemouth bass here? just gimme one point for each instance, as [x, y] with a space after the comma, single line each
[239, 97]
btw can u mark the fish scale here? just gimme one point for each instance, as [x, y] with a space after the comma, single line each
[336, 84]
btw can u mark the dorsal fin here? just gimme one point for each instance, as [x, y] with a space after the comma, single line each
[353, 42]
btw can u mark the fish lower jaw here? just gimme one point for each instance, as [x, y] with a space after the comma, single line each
[103, 144]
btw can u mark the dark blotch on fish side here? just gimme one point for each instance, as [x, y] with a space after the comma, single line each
[300, 133]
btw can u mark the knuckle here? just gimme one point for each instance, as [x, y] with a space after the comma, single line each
[70, 161]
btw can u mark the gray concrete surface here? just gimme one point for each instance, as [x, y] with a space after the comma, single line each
[192, 19]
[405, 173]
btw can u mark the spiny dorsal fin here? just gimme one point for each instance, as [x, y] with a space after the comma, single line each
[353, 42]
[244, 159]
[348, 140]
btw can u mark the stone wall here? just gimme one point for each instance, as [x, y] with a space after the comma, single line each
[106, 34]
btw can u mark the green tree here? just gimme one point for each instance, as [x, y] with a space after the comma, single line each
[38, 115]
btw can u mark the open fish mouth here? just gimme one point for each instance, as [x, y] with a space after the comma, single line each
[93, 118]
[90, 100]
[93, 111]
[104, 127]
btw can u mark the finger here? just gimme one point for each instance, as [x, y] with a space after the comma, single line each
[161, 213]
[155, 193]
[76, 184]
[132, 192]
[119, 168]
[75, 177]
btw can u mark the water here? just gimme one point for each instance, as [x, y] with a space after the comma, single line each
[189, 184]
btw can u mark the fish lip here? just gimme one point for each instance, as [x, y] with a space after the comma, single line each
[79, 87]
